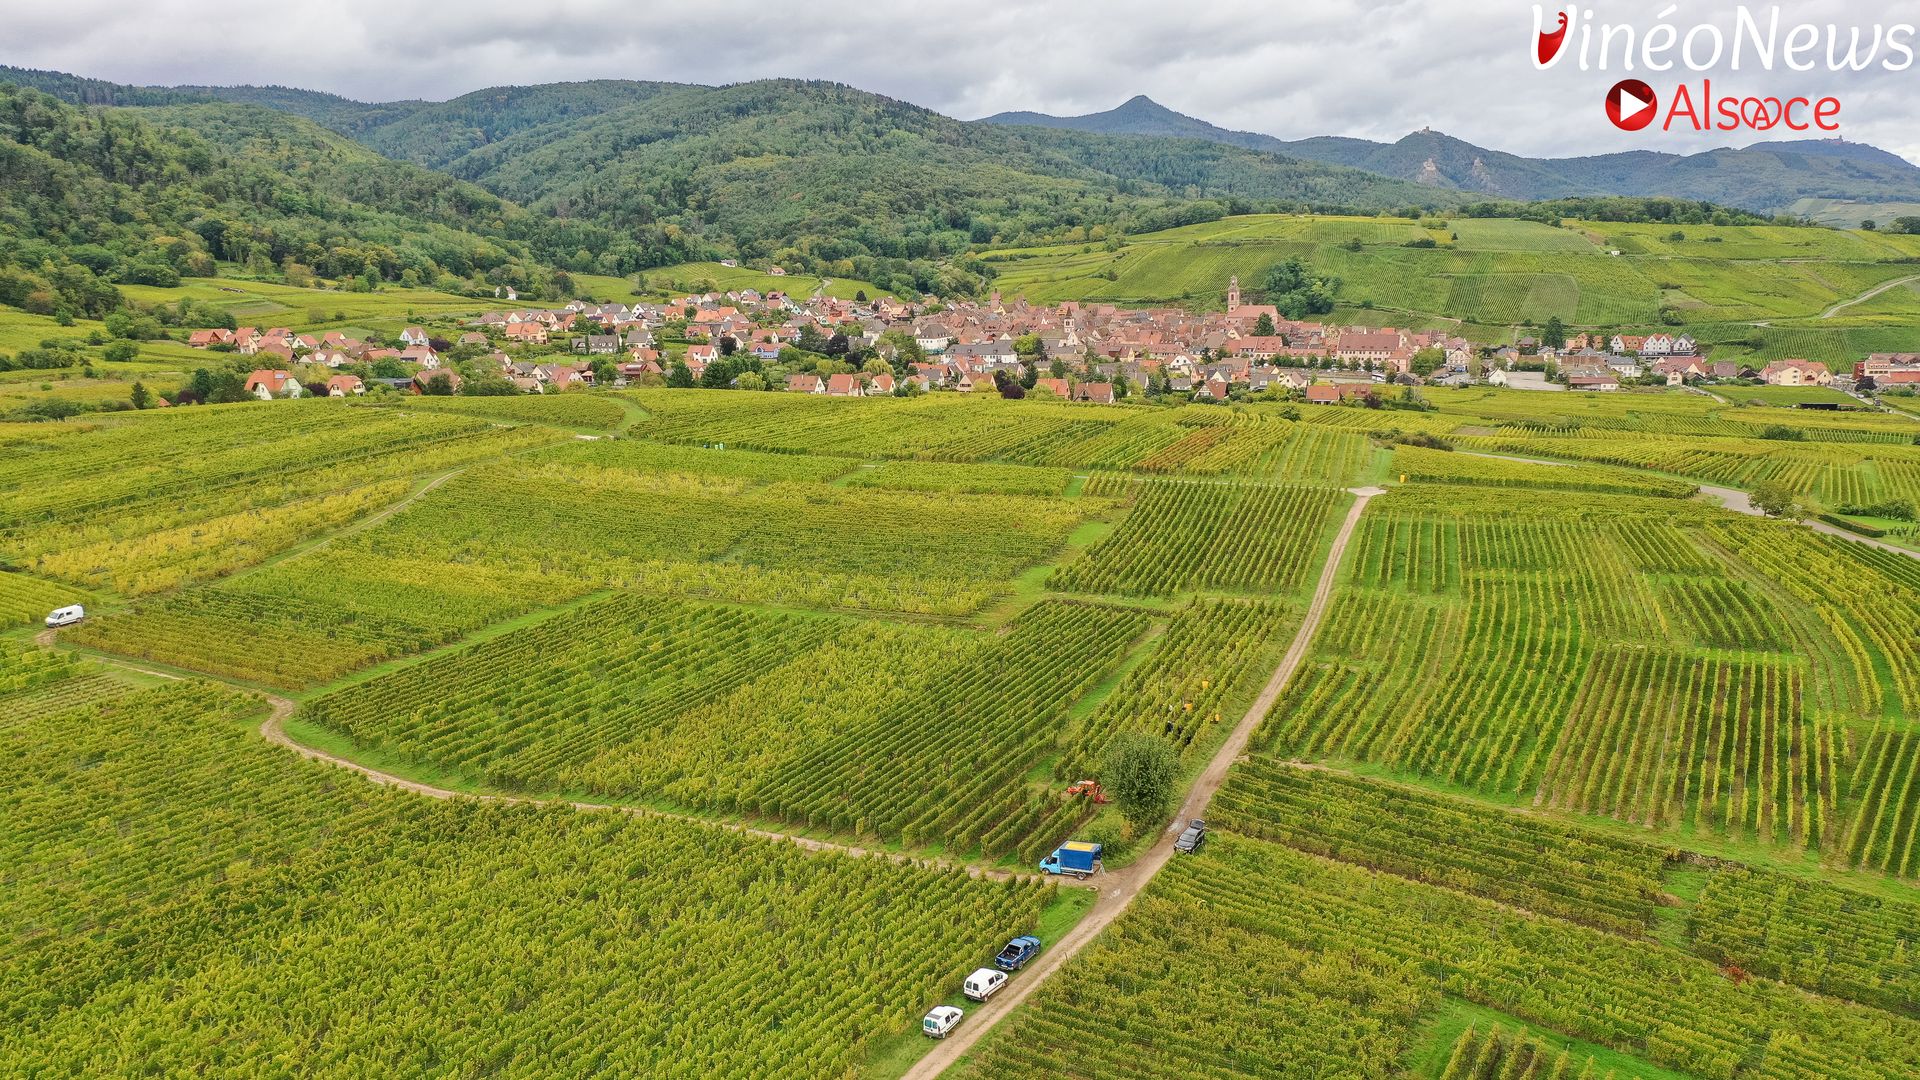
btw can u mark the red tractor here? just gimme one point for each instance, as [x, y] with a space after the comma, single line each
[1090, 789]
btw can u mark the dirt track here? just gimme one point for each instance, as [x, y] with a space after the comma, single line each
[1118, 889]
[274, 729]
[1865, 296]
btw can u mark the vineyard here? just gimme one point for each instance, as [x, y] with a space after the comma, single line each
[1510, 666]
[1817, 935]
[634, 456]
[1441, 467]
[520, 710]
[314, 618]
[1660, 738]
[725, 708]
[1542, 866]
[195, 895]
[26, 599]
[480, 549]
[1182, 536]
[1886, 819]
[1182, 989]
[557, 410]
[948, 477]
[1497, 1053]
[1812, 934]
[35, 683]
[148, 502]
[1861, 470]
[1341, 961]
[631, 528]
[212, 547]
[1860, 605]
[1676, 670]
[970, 737]
[148, 459]
[1580, 774]
[974, 430]
[1215, 656]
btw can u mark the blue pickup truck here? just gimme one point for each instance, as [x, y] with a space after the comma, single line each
[1017, 953]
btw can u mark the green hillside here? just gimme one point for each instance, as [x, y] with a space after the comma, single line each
[332, 111]
[842, 182]
[1718, 281]
[626, 176]
[94, 198]
[610, 179]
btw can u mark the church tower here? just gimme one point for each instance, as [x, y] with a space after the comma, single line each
[1233, 293]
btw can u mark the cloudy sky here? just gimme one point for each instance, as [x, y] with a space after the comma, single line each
[1370, 68]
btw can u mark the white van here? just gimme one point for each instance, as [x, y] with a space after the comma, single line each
[66, 616]
[983, 983]
[940, 1021]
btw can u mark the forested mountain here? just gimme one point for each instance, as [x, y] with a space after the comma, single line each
[442, 132]
[332, 111]
[818, 173]
[93, 197]
[614, 177]
[1767, 177]
[1140, 115]
[630, 175]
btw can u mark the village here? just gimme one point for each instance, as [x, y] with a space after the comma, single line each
[1073, 351]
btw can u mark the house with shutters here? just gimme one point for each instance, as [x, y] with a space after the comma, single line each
[1796, 373]
[267, 384]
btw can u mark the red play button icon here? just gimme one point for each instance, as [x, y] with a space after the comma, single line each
[1631, 105]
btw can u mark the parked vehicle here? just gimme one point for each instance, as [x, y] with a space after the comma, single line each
[1194, 835]
[1090, 789]
[1017, 953]
[941, 1020]
[983, 983]
[1080, 858]
[66, 616]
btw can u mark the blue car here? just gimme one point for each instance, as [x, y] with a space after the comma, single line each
[1017, 953]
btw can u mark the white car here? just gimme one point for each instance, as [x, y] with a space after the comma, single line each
[983, 983]
[66, 616]
[941, 1020]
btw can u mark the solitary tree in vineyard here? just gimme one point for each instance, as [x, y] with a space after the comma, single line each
[1140, 771]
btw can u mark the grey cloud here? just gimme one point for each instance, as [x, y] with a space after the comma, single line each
[1331, 67]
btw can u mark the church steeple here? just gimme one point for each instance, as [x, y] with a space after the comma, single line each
[1233, 292]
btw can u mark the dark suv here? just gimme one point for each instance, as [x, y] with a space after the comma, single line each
[1190, 840]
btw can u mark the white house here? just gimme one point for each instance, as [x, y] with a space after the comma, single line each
[267, 385]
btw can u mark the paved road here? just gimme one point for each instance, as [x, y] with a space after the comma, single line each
[1738, 502]
[1118, 888]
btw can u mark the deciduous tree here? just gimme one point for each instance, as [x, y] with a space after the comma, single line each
[1139, 771]
[1777, 500]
